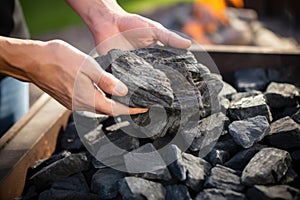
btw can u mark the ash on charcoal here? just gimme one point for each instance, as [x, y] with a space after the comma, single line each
[146, 162]
[254, 78]
[249, 131]
[207, 133]
[284, 133]
[268, 166]
[105, 183]
[280, 95]
[283, 192]
[220, 194]
[224, 178]
[178, 192]
[242, 158]
[249, 107]
[54, 194]
[141, 189]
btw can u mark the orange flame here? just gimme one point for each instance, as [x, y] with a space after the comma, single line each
[207, 16]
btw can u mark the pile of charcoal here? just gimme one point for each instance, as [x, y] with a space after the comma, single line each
[201, 139]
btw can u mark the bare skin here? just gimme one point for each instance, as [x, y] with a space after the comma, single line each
[69, 75]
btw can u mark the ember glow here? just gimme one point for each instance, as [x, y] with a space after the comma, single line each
[207, 16]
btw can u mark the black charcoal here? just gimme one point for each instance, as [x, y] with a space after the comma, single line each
[283, 192]
[268, 166]
[141, 189]
[284, 133]
[220, 194]
[249, 131]
[56, 194]
[224, 178]
[105, 183]
[249, 107]
[75, 182]
[280, 95]
[178, 192]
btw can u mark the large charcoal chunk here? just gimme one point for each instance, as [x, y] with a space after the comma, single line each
[61, 169]
[220, 194]
[141, 189]
[242, 158]
[224, 178]
[269, 165]
[280, 95]
[249, 107]
[57, 194]
[197, 170]
[178, 192]
[247, 132]
[207, 133]
[105, 183]
[146, 86]
[283, 192]
[146, 162]
[285, 133]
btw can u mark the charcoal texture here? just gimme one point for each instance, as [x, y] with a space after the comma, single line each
[284, 192]
[271, 163]
[220, 194]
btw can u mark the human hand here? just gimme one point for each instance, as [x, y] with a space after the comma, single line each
[65, 73]
[112, 27]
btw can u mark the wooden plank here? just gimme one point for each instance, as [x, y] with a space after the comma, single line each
[36, 139]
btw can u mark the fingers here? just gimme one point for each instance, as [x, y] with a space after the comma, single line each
[110, 107]
[172, 39]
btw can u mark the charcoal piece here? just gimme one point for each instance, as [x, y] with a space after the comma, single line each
[251, 79]
[271, 163]
[61, 169]
[197, 170]
[242, 158]
[105, 183]
[146, 162]
[224, 178]
[220, 194]
[227, 90]
[296, 116]
[177, 167]
[70, 139]
[141, 189]
[249, 131]
[75, 182]
[57, 194]
[31, 193]
[283, 192]
[207, 133]
[249, 107]
[284, 133]
[178, 192]
[296, 160]
[146, 86]
[280, 95]
[218, 156]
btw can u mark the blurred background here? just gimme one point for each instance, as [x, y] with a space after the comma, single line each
[261, 23]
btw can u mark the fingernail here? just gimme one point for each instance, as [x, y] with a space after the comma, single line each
[120, 89]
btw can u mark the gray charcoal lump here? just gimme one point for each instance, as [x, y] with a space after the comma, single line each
[280, 95]
[247, 132]
[285, 133]
[268, 166]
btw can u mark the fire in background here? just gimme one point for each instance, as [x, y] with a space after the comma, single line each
[208, 17]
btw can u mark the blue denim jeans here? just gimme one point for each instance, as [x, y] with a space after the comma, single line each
[14, 102]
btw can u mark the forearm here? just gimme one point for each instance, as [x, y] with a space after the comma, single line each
[18, 57]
